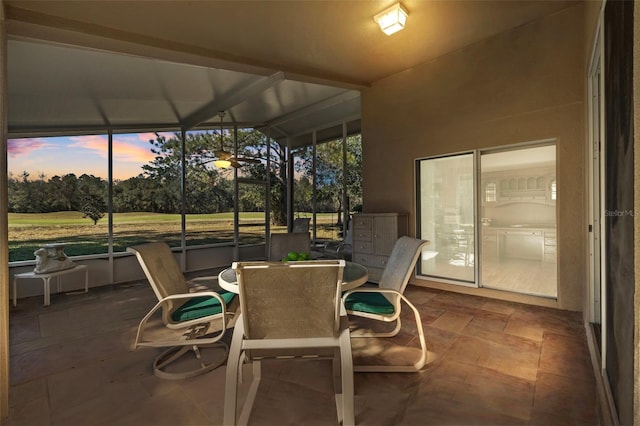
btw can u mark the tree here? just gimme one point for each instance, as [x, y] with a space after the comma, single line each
[18, 200]
[329, 174]
[206, 190]
[92, 191]
[93, 207]
[61, 192]
[253, 144]
[302, 194]
[164, 170]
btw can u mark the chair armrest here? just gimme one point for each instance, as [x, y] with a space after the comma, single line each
[205, 278]
[379, 290]
[187, 296]
[192, 295]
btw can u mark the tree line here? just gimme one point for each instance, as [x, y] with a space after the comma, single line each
[157, 188]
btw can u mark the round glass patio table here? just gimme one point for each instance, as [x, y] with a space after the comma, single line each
[354, 275]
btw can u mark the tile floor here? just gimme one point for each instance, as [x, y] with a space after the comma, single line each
[491, 363]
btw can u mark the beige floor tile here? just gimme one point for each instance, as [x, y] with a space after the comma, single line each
[516, 362]
[519, 328]
[490, 363]
[433, 410]
[381, 408]
[564, 399]
[107, 405]
[168, 409]
[75, 386]
[492, 322]
[33, 412]
[452, 322]
[498, 306]
[23, 328]
[565, 356]
[505, 394]
[438, 340]
[28, 391]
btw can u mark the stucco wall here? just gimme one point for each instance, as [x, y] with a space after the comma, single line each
[524, 85]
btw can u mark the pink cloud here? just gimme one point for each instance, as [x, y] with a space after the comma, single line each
[127, 151]
[95, 143]
[125, 147]
[18, 147]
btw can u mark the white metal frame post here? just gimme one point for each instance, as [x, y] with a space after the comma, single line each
[110, 204]
[345, 197]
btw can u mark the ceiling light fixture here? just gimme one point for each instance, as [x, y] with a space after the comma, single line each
[222, 164]
[393, 19]
[225, 159]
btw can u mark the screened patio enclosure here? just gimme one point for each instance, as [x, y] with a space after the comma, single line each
[58, 90]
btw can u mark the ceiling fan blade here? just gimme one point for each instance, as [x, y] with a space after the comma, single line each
[248, 160]
[253, 160]
[222, 154]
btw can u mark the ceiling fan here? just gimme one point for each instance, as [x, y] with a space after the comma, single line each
[226, 159]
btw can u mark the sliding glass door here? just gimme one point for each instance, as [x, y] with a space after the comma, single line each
[446, 217]
[518, 215]
[491, 218]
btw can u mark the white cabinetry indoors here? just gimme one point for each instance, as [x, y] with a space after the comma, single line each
[529, 185]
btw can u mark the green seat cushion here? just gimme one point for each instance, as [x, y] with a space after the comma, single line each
[373, 303]
[199, 307]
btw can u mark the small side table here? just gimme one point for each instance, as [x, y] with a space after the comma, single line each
[46, 279]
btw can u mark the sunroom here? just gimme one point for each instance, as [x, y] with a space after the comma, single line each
[275, 86]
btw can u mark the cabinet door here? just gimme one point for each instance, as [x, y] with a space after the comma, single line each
[385, 234]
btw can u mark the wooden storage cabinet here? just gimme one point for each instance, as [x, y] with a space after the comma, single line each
[374, 235]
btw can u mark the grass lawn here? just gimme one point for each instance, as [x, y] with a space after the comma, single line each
[28, 231]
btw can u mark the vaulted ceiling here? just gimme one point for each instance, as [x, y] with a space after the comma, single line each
[291, 67]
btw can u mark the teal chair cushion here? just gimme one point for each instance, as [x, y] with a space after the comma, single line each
[373, 303]
[199, 307]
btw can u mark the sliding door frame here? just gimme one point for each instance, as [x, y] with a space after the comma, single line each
[477, 193]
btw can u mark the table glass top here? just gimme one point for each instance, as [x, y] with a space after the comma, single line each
[352, 272]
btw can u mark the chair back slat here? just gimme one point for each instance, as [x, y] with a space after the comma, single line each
[161, 269]
[290, 300]
[402, 261]
[301, 224]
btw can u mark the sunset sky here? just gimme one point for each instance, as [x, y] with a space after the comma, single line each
[79, 155]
